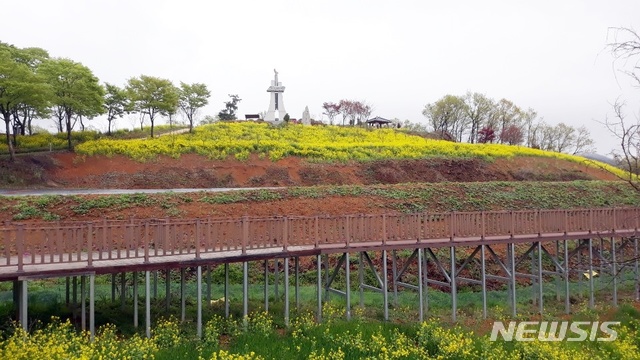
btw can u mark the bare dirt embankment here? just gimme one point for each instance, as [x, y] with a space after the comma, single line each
[68, 170]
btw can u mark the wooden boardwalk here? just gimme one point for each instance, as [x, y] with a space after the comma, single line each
[109, 246]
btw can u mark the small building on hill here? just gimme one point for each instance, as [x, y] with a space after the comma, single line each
[379, 122]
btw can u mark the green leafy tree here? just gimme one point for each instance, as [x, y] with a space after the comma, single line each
[478, 110]
[286, 118]
[116, 104]
[448, 116]
[193, 97]
[231, 106]
[24, 115]
[152, 96]
[20, 86]
[76, 91]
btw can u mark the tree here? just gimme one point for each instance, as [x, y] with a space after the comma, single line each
[506, 114]
[486, 135]
[116, 103]
[346, 108]
[24, 115]
[286, 118]
[583, 142]
[230, 108]
[76, 91]
[362, 111]
[449, 114]
[193, 97]
[625, 48]
[152, 96]
[331, 110]
[19, 86]
[478, 111]
[512, 135]
[531, 127]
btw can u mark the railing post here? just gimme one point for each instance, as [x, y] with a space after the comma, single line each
[198, 231]
[615, 225]
[539, 221]
[285, 233]
[20, 245]
[90, 244]
[566, 221]
[482, 222]
[512, 223]
[245, 234]
[146, 242]
[347, 231]
[317, 240]
[384, 229]
[452, 226]
[590, 220]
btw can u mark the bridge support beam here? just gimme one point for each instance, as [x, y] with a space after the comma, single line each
[296, 270]
[135, 299]
[591, 285]
[276, 280]
[420, 287]
[567, 299]
[23, 303]
[319, 288]
[347, 269]
[226, 290]
[147, 302]
[183, 297]
[199, 301]
[539, 267]
[614, 271]
[454, 292]
[266, 286]
[92, 307]
[385, 287]
[286, 292]
[483, 280]
[208, 284]
[245, 292]
[512, 278]
[83, 302]
[167, 290]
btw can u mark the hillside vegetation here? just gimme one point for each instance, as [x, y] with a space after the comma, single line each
[321, 143]
[326, 200]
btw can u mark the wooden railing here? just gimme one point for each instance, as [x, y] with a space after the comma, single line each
[68, 242]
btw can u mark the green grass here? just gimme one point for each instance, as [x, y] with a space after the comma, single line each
[406, 198]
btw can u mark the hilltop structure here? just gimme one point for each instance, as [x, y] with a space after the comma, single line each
[306, 118]
[277, 103]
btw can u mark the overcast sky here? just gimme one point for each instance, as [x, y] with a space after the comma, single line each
[396, 55]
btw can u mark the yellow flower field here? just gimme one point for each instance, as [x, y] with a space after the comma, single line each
[318, 143]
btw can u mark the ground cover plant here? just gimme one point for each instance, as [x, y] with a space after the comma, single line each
[406, 198]
[257, 337]
[45, 141]
[319, 143]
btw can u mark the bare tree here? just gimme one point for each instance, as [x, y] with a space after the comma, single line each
[331, 110]
[583, 142]
[478, 109]
[628, 133]
[625, 48]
